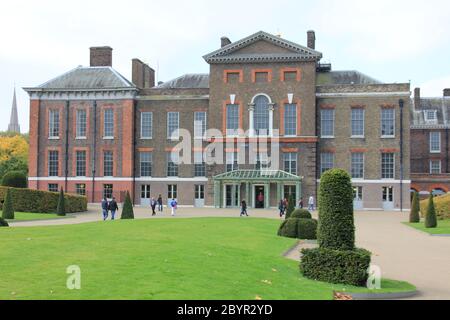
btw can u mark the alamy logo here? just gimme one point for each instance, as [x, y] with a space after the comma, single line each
[74, 280]
[374, 279]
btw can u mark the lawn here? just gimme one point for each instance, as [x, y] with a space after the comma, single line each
[204, 258]
[442, 228]
[27, 216]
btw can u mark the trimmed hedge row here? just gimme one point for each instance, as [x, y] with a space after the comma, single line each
[305, 229]
[336, 266]
[301, 214]
[36, 201]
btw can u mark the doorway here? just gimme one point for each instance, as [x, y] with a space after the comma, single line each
[259, 197]
[388, 198]
[199, 196]
[358, 198]
[145, 195]
[231, 196]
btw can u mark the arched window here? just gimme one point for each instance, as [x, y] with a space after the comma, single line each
[261, 115]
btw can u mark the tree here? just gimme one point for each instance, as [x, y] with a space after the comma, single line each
[15, 179]
[8, 209]
[414, 216]
[127, 211]
[291, 206]
[13, 153]
[61, 208]
[3, 222]
[430, 217]
[336, 224]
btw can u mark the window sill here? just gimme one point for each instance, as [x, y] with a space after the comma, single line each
[327, 137]
[358, 137]
[108, 138]
[173, 139]
[435, 152]
[387, 137]
[146, 138]
[53, 138]
[81, 138]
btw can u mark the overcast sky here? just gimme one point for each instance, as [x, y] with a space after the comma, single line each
[392, 41]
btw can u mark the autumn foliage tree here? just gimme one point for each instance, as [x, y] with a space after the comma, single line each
[13, 153]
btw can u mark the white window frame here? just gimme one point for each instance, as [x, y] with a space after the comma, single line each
[176, 136]
[228, 131]
[363, 164]
[141, 162]
[393, 178]
[431, 166]
[78, 124]
[431, 145]
[432, 120]
[108, 137]
[51, 124]
[295, 119]
[363, 124]
[321, 162]
[151, 125]
[381, 124]
[334, 124]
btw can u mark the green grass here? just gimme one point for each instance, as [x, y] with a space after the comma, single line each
[442, 228]
[28, 216]
[204, 258]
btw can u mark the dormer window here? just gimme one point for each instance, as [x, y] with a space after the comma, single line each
[430, 116]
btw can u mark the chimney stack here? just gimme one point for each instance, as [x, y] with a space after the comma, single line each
[417, 98]
[311, 39]
[101, 57]
[447, 92]
[142, 75]
[224, 41]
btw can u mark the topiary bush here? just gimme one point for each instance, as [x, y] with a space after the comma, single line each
[291, 206]
[8, 210]
[301, 214]
[36, 201]
[336, 225]
[61, 208]
[15, 179]
[430, 217]
[441, 206]
[307, 229]
[336, 266]
[414, 216]
[127, 211]
[3, 222]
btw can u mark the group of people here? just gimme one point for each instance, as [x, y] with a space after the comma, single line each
[109, 206]
[283, 205]
[159, 203]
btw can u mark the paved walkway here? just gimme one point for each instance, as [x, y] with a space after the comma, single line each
[403, 253]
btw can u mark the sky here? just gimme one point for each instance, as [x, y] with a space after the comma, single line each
[392, 41]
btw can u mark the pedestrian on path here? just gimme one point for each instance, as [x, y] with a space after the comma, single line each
[160, 203]
[311, 203]
[113, 207]
[153, 206]
[281, 207]
[300, 204]
[173, 205]
[105, 208]
[244, 208]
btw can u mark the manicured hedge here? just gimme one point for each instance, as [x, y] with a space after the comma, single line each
[414, 216]
[430, 217]
[27, 200]
[3, 222]
[15, 179]
[301, 214]
[441, 206]
[336, 226]
[336, 266]
[127, 211]
[290, 207]
[305, 229]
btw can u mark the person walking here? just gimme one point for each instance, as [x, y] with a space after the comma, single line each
[105, 208]
[244, 208]
[300, 204]
[311, 203]
[281, 208]
[153, 206]
[285, 205]
[173, 205]
[113, 207]
[160, 203]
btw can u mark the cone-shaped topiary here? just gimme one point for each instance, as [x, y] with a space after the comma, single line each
[291, 207]
[430, 217]
[61, 208]
[3, 222]
[8, 210]
[127, 211]
[336, 225]
[414, 216]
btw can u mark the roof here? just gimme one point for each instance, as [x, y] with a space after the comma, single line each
[440, 105]
[187, 81]
[257, 175]
[294, 52]
[88, 78]
[344, 77]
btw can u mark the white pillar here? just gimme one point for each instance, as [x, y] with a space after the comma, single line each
[251, 131]
[271, 109]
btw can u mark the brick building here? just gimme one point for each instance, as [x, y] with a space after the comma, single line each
[265, 101]
[430, 124]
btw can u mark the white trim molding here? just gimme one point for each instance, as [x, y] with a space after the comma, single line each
[362, 94]
[137, 179]
[387, 181]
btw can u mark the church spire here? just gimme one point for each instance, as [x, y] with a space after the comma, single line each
[14, 121]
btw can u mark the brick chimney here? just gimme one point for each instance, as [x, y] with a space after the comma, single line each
[142, 75]
[224, 41]
[101, 57]
[447, 92]
[311, 39]
[417, 98]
